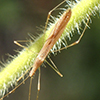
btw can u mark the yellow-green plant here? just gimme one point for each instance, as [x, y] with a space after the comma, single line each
[25, 58]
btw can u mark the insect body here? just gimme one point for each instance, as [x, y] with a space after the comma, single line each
[51, 40]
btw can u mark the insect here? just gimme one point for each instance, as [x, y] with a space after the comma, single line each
[51, 40]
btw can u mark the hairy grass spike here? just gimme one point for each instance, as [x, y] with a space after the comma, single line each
[13, 70]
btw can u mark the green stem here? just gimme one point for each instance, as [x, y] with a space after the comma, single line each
[25, 59]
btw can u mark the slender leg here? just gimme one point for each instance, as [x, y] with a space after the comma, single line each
[38, 88]
[76, 42]
[17, 43]
[23, 75]
[48, 16]
[54, 68]
[19, 84]
[14, 88]
[30, 86]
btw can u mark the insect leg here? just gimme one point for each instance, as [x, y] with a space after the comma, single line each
[38, 87]
[48, 16]
[54, 68]
[17, 43]
[14, 88]
[76, 42]
[30, 86]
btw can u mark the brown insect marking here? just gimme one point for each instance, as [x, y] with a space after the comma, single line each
[51, 40]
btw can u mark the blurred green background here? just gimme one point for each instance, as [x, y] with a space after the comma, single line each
[79, 64]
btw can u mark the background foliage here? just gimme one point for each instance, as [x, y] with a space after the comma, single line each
[80, 64]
